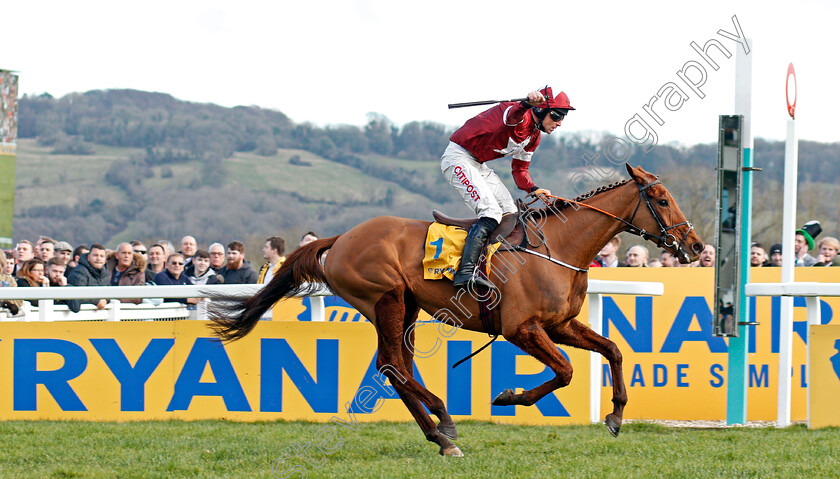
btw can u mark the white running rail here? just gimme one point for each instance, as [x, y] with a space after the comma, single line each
[811, 292]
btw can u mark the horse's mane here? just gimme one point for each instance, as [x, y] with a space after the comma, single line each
[560, 203]
[602, 189]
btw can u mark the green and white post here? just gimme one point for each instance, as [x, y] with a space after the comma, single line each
[736, 391]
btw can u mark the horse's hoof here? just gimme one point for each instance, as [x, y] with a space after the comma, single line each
[451, 451]
[613, 425]
[448, 430]
[505, 398]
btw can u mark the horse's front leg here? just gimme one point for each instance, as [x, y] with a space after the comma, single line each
[576, 334]
[532, 338]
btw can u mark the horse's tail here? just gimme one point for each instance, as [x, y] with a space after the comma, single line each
[301, 274]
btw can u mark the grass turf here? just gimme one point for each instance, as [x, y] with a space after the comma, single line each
[229, 449]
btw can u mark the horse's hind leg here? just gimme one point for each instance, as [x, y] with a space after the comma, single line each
[532, 338]
[576, 334]
[390, 314]
[434, 403]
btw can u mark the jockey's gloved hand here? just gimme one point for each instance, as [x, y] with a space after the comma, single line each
[535, 98]
[537, 191]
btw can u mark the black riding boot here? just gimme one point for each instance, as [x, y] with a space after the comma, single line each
[476, 239]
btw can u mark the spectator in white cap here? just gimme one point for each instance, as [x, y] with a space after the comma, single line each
[64, 252]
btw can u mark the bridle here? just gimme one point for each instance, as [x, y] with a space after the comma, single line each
[664, 238]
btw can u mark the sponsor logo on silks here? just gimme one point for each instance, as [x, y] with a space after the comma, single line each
[835, 360]
[459, 172]
[437, 271]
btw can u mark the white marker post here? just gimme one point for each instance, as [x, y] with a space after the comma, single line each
[788, 257]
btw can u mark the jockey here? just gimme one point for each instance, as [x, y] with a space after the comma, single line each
[507, 129]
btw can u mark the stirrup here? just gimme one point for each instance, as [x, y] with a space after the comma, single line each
[478, 281]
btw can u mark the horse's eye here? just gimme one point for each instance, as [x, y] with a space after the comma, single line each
[663, 203]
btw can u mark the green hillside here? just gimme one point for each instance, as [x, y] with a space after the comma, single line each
[68, 197]
[114, 165]
[44, 179]
[316, 179]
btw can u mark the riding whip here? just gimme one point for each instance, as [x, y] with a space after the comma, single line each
[485, 102]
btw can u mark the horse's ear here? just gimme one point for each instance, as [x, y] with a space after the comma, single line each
[638, 174]
[634, 173]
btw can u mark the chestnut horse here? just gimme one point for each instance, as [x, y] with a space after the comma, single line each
[377, 267]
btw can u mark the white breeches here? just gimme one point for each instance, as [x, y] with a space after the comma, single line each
[477, 184]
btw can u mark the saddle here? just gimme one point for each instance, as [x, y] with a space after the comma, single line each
[510, 228]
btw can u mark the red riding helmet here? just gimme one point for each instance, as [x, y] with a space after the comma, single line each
[559, 101]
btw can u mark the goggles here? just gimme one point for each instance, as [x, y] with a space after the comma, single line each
[557, 115]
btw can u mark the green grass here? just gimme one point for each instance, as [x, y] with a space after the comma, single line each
[44, 179]
[431, 168]
[323, 180]
[228, 449]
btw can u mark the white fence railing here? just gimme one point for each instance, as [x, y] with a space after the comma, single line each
[811, 292]
[117, 311]
[595, 293]
[114, 311]
[47, 310]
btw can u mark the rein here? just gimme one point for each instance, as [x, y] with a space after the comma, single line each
[663, 238]
[544, 256]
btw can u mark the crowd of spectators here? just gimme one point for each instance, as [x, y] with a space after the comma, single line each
[805, 242]
[51, 263]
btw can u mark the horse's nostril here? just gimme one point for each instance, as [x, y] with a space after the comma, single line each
[698, 247]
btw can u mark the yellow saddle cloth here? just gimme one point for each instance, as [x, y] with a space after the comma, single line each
[444, 245]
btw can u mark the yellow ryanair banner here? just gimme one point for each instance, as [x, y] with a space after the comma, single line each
[825, 376]
[298, 369]
[673, 366]
[282, 370]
